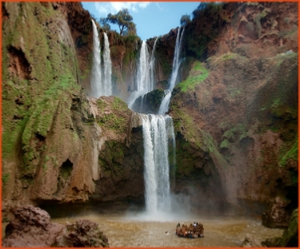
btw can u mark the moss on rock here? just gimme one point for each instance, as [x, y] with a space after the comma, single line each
[289, 237]
[197, 74]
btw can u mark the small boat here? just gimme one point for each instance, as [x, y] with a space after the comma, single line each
[193, 231]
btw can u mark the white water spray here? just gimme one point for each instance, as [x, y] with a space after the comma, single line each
[157, 130]
[106, 82]
[142, 85]
[175, 67]
[143, 70]
[152, 65]
[95, 82]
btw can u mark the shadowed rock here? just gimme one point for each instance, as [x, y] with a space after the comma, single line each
[82, 233]
[277, 215]
[289, 237]
[32, 227]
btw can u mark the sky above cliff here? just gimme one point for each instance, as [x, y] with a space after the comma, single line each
[151, 18]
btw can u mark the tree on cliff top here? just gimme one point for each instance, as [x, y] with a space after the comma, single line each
[124, 21]
[104, 23]
[185, 19]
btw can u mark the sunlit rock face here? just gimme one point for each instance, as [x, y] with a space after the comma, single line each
[235, 114]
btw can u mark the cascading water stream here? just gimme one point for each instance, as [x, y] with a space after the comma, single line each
[158, 133]
[143, 70]
[152, 65]
[142, 85]
[106, 82]
[175, 67]
[157, 130]
[95, 83]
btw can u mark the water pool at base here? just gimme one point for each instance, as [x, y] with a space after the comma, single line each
[134, 230]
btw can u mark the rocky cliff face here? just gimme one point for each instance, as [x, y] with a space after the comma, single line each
[235, 110]
[58, 145]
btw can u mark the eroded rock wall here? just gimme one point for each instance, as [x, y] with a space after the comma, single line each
[236, 111]
[60, 146]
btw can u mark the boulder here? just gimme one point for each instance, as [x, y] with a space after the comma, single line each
[277, 215]
[289, 237]
[82, 233]
[32, 227]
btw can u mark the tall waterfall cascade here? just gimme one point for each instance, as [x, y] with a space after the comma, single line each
[100, 84]
[95, 83]
[175, 67]
[106, 81]
[158, 134]
[157, 131]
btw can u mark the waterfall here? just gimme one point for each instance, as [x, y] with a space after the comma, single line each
[175, 67]
[106, 83]
[95, 90]
[176, 61]
[159, 138]
[157, 130]
[143, 70]
[100, 86]
[152, 65]
[172, 142]
[164, 105]
[142, 85]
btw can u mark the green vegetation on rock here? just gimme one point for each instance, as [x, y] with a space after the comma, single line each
[41, 83]
[5, 178]
[197, 74]
[291, 154]
[224, 144]
[119, 104]
[237, 132]
[216, 60]
[112, 121]
[289, 237]
[113, 116]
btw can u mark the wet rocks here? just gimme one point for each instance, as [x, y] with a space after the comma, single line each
[277, 215]
[289, 237]
[82, 233]
[32, 227]
[150, 102]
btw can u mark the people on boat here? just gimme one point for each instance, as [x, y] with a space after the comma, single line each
[195, 230]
